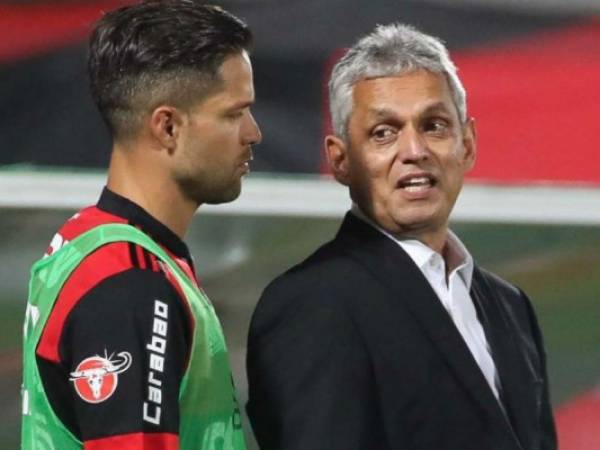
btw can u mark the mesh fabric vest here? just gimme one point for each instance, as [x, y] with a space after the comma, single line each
[209, 416]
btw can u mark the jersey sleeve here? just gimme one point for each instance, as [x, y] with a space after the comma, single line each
[124, 348]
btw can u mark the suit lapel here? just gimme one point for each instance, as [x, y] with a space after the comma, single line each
[392, 267]
[510, 362]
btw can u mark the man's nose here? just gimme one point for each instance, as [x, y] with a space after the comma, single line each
[251, 133]
[413, 145]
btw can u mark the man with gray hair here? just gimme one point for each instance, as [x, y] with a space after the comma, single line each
[390, 336]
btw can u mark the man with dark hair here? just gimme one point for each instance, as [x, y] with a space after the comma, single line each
[122, 348]
[390, 337]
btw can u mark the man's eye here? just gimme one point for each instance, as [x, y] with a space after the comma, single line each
[437, 126]
[235, 114]
[382, 134]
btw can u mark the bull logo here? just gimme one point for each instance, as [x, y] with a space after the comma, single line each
[96, 378]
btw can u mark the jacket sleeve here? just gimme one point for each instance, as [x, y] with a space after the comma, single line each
[548, 430]
[310, 377]
[125, 347]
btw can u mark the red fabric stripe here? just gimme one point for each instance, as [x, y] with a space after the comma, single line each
[85, 220]
[135, 441]
[32, 29]
[187, 269]
[154, 262]
[103, 263]
[140, 256]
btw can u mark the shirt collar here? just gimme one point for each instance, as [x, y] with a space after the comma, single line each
[117, 205]
[457, 256]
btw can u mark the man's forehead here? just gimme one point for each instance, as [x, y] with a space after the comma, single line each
[420, 91]
[230, 99]
[415, 79]
[235, 84]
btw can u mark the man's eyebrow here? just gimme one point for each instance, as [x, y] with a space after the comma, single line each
[436, 107]
[382, 112]
[241, 104]
[388, 112]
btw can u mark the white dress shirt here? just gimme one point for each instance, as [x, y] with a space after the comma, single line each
[452, 291]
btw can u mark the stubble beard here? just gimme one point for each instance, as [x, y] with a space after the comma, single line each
[204, 190]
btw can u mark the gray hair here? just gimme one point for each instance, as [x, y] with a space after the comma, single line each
[390, 50]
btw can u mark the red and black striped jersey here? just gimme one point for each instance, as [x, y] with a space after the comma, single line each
[106, 311]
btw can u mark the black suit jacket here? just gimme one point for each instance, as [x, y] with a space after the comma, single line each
[352, 349]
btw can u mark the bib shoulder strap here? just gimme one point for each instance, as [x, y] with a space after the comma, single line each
[101, 235]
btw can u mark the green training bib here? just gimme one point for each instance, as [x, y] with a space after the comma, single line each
[209, 415]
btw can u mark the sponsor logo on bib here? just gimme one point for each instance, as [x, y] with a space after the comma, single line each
[96, 378]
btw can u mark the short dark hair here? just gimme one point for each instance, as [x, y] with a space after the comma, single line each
[159, 51]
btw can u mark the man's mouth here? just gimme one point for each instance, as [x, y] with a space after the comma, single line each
[415, 184]
[246, 163]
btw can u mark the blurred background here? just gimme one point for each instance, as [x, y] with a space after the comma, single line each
[530, 210]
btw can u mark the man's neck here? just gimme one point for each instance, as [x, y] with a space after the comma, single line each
[436, 239]
[451, 248]
[152, 190]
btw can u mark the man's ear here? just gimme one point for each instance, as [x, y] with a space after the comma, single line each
[165, 126]
[337, 155]
[469, 143]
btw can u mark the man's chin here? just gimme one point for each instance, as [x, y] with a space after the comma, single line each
[225, 196]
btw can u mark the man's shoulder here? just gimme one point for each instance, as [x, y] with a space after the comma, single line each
[494, 282]
[327, 265]
[511, 298]
[328, 278]
[104, 262]
[110, 260]
[321, 287]
[111, 277]
[81, 222]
